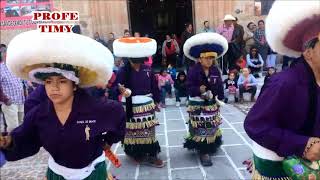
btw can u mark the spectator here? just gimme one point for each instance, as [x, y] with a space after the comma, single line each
[13, 89]
[137, 34]
[226, 30]
[172, 71]
[178, 40]
[180, 87]
[286, 61]
[110, 41]
[3, 98]
[118, 63]
[231, 87]
[126, 33]
[260, 39]
[254, 61]
[164, 82]
[271, 59]
[248, 36]
[184, 36]
[238, 43]
[241, 63]
[271, 72]
[97, 38]
[170, 50]
[207, 27]
[247, 83]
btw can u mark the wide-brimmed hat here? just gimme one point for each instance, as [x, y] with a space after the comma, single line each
[33, 55]
[229, 17]
[205, 45]
[134, 47]
[288, 32]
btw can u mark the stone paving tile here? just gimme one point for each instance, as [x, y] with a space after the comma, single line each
[234, 117]
[192, 174]
[126, 171]
[221, 169]
[230, 137]
[181, 157]
[246, 137]
[151, 173]
[175, 125]
[239, 127]
[160, 129]
[246, 174]
[238, 153]
[161, 139]
[177, 138]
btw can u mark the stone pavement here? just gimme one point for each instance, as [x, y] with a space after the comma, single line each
[180, 163]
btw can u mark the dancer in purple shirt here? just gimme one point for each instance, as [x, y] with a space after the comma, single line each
[137, 85]
[71, 125]
[285, 121]
[205, 88]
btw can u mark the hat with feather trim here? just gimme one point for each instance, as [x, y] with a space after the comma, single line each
[205, 45]
[287, 33]
[76, 57]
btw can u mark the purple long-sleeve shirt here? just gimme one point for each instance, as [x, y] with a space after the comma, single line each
[196, 77]
[143, 82]
[275, 121]
[67, 143]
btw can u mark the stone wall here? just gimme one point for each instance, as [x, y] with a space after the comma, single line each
[215, 10]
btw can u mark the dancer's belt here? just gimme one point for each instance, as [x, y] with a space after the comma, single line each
[74, 174]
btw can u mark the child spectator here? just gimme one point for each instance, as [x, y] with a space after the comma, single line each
[247, 83]
[255, 62]
[230, 87]
[164, 82]
[180, 87]
[271, 71]
[173, 71]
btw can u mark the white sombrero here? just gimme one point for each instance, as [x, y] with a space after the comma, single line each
[134, 47]
[77, 57]
[205, 44]
[229, 17]
[288, 32]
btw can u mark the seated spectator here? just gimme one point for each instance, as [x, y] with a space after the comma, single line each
[172, 71]
[271, 59]
[164, 82]
[231, 87]
[271, 71]
[255, 61]
[247, 83]
[180, 88]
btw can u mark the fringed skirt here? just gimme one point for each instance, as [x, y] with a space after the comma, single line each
[204, 120]
[140, 138]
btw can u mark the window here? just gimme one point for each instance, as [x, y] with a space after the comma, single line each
[262, 7]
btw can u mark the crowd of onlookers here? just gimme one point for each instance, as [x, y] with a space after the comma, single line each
[248, 55]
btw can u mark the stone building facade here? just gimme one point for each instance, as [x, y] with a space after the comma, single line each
[105, 16]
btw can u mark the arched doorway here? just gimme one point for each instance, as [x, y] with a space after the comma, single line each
[158, 17]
